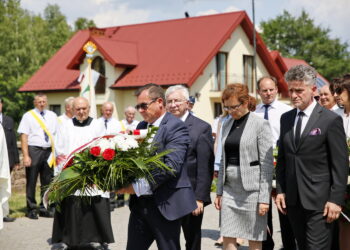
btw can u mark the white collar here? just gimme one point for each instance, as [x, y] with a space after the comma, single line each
[158, 121]
[184, 117]
[308, 109]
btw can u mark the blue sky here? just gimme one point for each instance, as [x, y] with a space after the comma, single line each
[329, 14]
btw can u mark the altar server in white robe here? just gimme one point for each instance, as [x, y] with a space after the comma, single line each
[5, 178]
[81, 223]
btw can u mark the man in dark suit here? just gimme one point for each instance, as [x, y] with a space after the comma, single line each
[199, 162]
[11, 141]
[159, 204]
[312, 163]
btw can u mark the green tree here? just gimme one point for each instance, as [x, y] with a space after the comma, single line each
[299, 37]
[82, 23]
[27, 42]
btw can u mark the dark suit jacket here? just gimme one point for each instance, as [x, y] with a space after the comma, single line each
[172, 192]
[317, 169]
[11, 140]
[200, 157]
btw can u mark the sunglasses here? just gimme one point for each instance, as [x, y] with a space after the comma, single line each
[144, 105]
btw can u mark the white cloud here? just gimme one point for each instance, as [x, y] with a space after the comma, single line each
[329, 14]
[232, 9]
[207, 12]
[212, 11]
[120, 15]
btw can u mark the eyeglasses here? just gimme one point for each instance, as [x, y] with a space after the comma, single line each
[231, 108]
[144, 105]
[175, 101]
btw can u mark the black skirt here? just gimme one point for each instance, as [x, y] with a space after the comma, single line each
[83, 220]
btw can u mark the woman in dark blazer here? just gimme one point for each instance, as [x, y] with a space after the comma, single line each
[245, 175]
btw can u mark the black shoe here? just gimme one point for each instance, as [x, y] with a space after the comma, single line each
[32, 215]
[8, 219]
[120, 203]
[46, 213]
[59, 246]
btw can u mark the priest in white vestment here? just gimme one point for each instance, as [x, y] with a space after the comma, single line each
[5, 178]
[81, 222]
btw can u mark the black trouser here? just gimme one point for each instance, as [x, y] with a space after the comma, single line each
[191, 226]
[147, 224]
[268, 244]
[39, 165]
[287, 234]
[310, 228]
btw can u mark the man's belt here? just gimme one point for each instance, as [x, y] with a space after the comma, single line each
[41, 148]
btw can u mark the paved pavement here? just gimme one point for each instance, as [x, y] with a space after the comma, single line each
[26, 234]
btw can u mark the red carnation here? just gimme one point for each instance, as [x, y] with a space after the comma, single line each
[108, 154]
[95, 151]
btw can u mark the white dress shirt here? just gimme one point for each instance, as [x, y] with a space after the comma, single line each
[141, 186]
[63, 118]
[184, 117]
[275, 112]
[129, 126]
[113, 126]
[36, 135]
[306, 117]
[346, 120]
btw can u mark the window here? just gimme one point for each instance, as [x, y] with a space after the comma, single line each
[217, 109]
[248, 62]
[99, 66]
[56, 108]
[221, 71]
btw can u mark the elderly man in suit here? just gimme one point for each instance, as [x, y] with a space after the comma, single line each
[159, 204]
[312, 164]
[11, 142]
[199, 162]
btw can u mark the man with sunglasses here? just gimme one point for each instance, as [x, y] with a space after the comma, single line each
[158, 205]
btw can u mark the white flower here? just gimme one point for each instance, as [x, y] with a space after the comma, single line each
[106, 143]
[131, 142]
[124, 142]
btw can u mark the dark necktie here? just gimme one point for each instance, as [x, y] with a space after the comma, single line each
[106, 121]
[46, 136]
[298, 128]
[266, 114]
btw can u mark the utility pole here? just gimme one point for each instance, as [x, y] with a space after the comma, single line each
[254, 42]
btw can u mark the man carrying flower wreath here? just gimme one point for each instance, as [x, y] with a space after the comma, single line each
[81, 223]
[158, 205]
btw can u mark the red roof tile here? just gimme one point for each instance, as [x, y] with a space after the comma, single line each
[290, 62]
[166, 52]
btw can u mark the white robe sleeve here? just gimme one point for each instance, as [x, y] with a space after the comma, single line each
[5, 178]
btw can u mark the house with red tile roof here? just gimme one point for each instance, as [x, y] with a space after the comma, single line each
[285, 64]
[203, 53]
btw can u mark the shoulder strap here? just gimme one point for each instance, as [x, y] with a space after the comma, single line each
[122, 125]
[52, 158]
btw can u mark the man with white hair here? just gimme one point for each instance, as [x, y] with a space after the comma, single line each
[68, 114]
[108, 125]
[81, 224]
[129, 123]
[199, 161]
